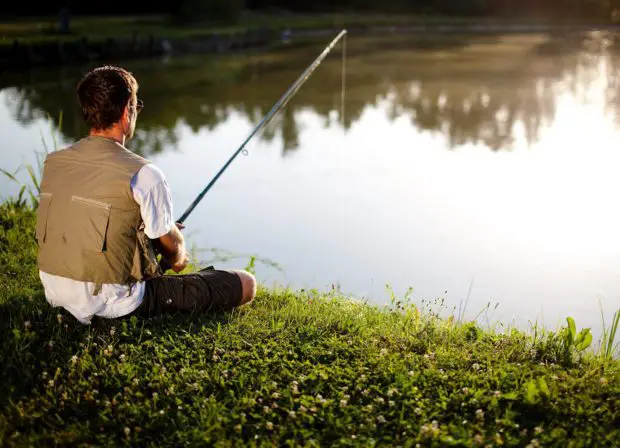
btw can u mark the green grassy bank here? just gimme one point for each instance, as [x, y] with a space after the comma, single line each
[292, 369]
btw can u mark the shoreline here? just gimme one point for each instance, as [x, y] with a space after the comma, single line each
[300, 367]
[62, 51]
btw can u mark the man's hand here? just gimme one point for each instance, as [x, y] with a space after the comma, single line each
[173, 248]
[182, 264]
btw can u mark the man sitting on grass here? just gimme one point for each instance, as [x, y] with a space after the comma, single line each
[102, 209]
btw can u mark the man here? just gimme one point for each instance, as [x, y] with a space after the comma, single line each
[103, 208]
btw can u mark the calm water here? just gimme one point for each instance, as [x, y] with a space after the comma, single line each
[488, 163]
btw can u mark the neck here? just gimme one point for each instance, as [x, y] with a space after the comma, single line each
[113, 133]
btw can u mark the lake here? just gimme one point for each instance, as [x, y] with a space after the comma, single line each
[477, 169]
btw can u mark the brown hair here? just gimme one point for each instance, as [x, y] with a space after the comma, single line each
[103, 94]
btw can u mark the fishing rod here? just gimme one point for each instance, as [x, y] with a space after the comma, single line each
[277, 106]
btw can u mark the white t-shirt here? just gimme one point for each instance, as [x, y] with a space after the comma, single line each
[150, 190]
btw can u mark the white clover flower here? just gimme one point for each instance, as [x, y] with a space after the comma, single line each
[479, 414]
[302, 408]
[411, 373]
[127, 431]
[122, 357]
[269, 425]
[417, 411]
[27, 324]
[59, 317]
[50, 383]
[603, 381]
[275, 395]
[478, 439]
[379, 400]
[291, 414]
[465, 390]
[50, 344]
[266, 409]
[538, 430]
[74, 359]
[391, 403]
[475, 366]
[112, 331]
[343, 403]
[381, 419]
[44, 375]
[136, 381]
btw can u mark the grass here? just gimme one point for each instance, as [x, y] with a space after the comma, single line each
[295, 368]
[44, 29]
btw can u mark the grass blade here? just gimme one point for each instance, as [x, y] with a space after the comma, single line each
[10, 175]
[609, 349]
[33, 177]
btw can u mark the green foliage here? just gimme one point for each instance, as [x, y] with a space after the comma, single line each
[608, 342]
[302, 368]
[34, 176]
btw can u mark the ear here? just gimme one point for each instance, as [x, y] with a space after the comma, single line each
[126, 117]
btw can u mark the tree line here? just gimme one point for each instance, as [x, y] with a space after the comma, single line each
[466, 101]
[230, 10]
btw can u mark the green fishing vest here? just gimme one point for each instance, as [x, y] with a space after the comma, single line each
[89, 227]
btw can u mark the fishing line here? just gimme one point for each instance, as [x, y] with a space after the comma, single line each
[344, 69]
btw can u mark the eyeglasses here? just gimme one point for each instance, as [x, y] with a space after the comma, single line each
[139, 105]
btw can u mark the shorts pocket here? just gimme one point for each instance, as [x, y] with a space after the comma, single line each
[89, 223]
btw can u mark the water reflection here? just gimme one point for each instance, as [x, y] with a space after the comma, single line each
[472, 90]
[489, 159]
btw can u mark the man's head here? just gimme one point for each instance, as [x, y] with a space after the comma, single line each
[109, 102]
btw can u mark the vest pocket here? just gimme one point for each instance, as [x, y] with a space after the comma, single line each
[90, 221]
[43, 210]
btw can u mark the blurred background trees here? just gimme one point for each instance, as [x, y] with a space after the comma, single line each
[231, 10]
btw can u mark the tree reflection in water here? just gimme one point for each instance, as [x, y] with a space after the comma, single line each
[470, 89]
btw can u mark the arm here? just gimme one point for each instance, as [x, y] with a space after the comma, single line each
[172, 248]
[152, 193]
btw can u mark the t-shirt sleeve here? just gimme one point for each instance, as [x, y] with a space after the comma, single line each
[151, 191]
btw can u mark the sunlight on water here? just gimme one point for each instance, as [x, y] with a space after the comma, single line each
[502, 176]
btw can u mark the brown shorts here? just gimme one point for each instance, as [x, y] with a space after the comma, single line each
[206, 290]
